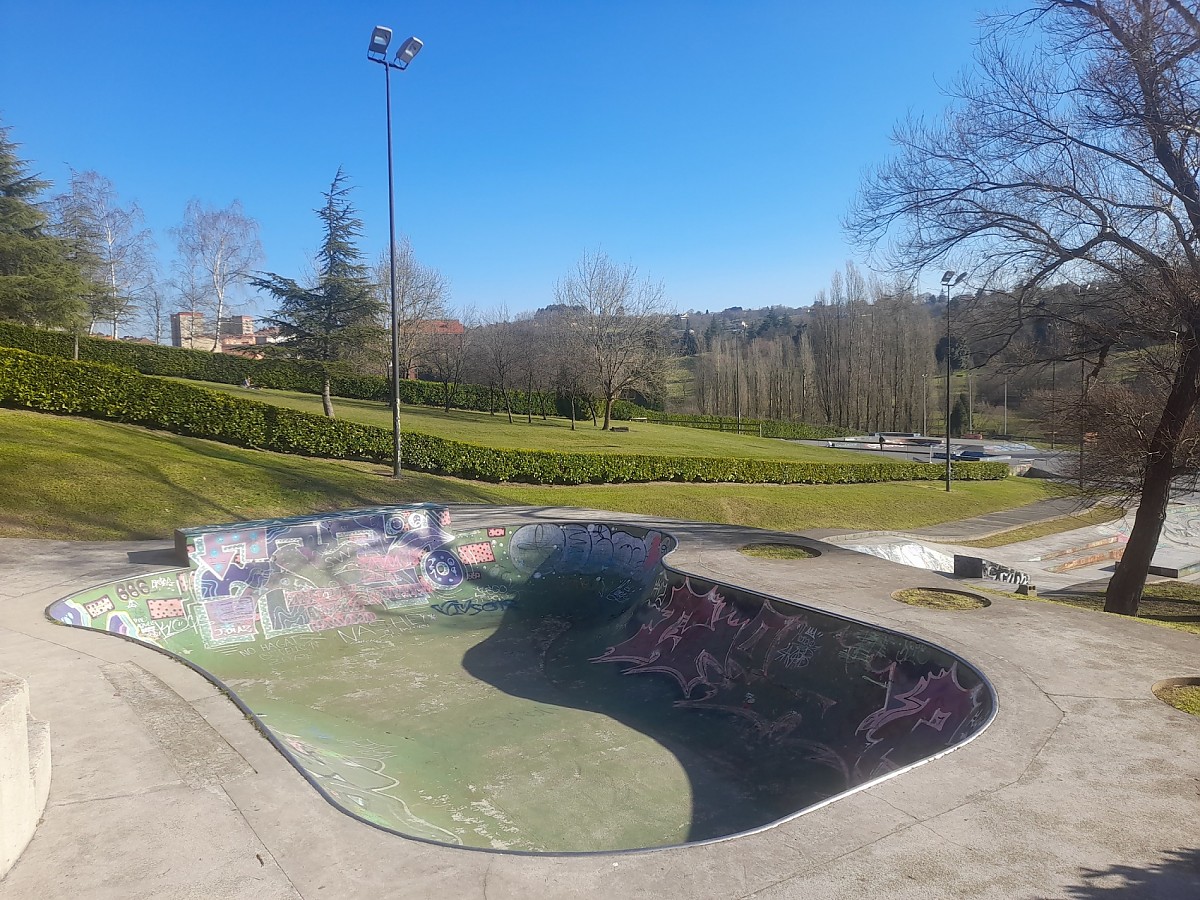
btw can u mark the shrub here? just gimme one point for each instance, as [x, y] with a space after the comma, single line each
[771, 428]
[279, 374]
[107, 392]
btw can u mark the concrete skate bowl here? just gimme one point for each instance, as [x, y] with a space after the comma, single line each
[538, 687]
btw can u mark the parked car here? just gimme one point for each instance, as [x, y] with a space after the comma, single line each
[974, 454]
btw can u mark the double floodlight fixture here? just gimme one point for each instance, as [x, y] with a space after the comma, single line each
[950, 281]
[381, 37]
[377, 49]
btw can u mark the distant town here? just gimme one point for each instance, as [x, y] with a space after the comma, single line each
[232, 334]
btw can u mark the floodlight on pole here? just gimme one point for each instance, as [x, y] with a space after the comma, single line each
[381, 37]
[948, 281]
[408, 50]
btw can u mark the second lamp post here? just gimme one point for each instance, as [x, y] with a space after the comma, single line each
[377, 52]
[949, 280]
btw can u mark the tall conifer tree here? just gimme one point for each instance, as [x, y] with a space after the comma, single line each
[40, 283]
[339, 313]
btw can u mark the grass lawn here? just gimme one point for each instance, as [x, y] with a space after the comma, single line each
[551, 433]
[1185, 697]
[1171, 604]
[1094, 516]
[778, 551]
[935, 598]
[80, 479]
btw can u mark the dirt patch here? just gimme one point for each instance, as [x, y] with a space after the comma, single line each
[1181, 693]
[937, 598]
[778, 551]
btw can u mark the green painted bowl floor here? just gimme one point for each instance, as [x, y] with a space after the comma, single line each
[496, 731]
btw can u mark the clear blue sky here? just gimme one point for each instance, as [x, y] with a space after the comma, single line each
[715, 145]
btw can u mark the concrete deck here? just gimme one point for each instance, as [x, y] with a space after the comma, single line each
[1085, 786]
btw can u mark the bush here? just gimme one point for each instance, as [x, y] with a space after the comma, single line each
[107, 392]
[309, 378]
[278, 374]
[772, 428]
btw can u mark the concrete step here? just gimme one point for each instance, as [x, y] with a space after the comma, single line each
[24, 770]
[1090, 557]
[1176, 570]
[1079, 548]
[39, 762]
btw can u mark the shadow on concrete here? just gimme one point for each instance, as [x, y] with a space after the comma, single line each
[160, 556]
[739, 780]
[1175, 877]
[722, 682]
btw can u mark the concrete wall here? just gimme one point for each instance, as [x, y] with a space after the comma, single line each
[24, 770]
[977, 567]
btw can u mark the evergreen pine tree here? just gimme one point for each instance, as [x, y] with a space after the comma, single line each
[958, 416]
[40, 284]
[340, 313]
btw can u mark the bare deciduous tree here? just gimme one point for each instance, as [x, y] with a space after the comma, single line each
[621, 321]
[218, 248]
[188, 296]
[421, 293]
[154, 313]
[446, 354]
[563, 355]
[533, 363]
[1072, 158]
[120, 250]
[496, 347]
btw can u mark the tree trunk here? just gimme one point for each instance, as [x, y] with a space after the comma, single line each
[1126, 586]
[607, 413]
[327, 399]
[571, 400]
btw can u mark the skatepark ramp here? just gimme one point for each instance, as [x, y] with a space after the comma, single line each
[553, 687]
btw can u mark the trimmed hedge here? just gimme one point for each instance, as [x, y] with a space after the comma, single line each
[309, 378]
[106, 392]
[278, 374]
[769, 428]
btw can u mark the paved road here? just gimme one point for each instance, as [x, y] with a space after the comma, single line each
[1056, 462]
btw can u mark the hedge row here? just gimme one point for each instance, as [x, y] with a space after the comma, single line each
[309, 378]
[278, 374]
[770, 428]
[106, 392]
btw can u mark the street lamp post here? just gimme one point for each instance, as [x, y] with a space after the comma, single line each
[1082, 414]
[970, 404]
[377, 52]
[1053, 397]
[1005, 406]
[737, 378]
[924, 397]
[737, 386]
[949, 279]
